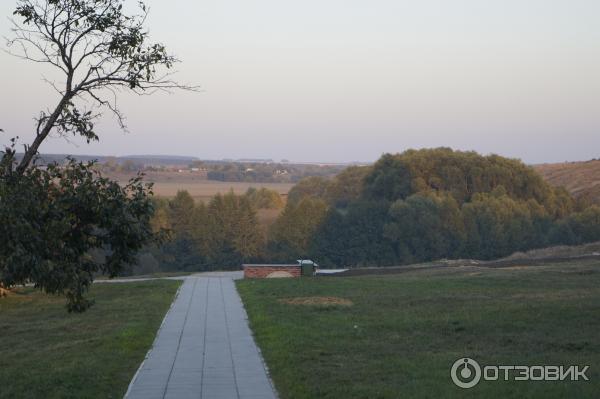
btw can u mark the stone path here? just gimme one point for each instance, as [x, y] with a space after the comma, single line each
[204, 348]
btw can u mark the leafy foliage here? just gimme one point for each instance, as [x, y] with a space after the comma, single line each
[354, 236]
[52, 220]
[438, 203]
[62, 224]
[263, 198]
[98, 49]
[425, 227]
[291, 234]
[348, 186]
[231, 233]
[220, 235]
[177, 216]
[463, 175]
[310, 187]
[409, 207]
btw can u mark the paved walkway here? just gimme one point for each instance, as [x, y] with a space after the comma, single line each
[204, 348]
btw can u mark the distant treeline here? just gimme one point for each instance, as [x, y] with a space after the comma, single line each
[234, 171]
[260, 172]
[254, 171]
[410, 207]
[140, 161]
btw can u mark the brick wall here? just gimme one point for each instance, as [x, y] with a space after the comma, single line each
[263, 271]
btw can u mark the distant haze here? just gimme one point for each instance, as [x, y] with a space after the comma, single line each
[347, 80]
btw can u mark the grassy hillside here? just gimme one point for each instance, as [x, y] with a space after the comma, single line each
[580, 178]
[397, 336]
[49, 353]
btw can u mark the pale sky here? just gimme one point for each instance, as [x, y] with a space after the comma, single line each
[347, 80]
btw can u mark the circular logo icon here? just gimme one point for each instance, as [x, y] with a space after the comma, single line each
[465, 373]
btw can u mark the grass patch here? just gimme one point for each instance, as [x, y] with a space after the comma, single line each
[46, 352]
[403, 332]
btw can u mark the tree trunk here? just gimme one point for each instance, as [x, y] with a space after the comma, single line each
[32, 150]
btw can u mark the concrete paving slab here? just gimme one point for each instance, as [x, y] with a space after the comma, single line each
[204, 348]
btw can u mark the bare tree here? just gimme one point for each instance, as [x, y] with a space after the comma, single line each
[99, 50]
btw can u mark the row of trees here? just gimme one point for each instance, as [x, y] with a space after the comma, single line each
[410, 207]
[113, 165]
[218, 235]
[425, 227]
[264, 172]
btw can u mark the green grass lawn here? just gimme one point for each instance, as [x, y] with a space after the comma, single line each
[46, 352]
[403, 332]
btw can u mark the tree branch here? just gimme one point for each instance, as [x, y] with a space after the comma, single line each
[97, 47]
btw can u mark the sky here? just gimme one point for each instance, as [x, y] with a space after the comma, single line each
[348, 80]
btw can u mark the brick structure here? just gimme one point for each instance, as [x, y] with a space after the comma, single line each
[271, 271]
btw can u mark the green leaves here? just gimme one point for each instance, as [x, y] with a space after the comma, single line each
[75, 122]
[28, 13]
[52, 219]
[222, 234]
[95, 38]
[291, 235]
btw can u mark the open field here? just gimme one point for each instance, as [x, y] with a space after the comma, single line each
[166, 184]
[203, 190]
[49, 353]
[398, 335]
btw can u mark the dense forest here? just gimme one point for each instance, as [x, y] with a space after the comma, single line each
[410, 207]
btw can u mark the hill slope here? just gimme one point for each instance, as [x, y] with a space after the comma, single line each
[580, 178]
